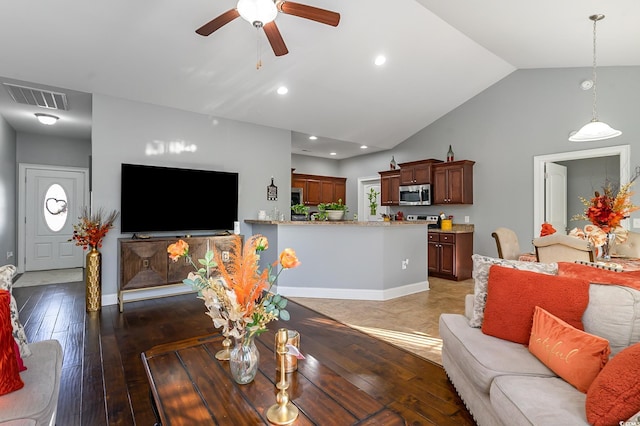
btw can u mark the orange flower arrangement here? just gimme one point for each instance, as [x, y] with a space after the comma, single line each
[607, 210]
[240, 299]
[547, 229]
[92, 228]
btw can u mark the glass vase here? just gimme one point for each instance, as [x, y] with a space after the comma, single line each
[244, 359]
[607, 246]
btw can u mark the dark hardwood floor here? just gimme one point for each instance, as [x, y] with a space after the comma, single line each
[103, 381]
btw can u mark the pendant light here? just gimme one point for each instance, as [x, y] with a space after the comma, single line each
[594, 130]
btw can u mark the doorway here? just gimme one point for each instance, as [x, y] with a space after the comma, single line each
[540, 163]
[49, 201]
[364, 186]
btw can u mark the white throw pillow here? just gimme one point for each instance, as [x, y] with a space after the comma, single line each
[481, 266]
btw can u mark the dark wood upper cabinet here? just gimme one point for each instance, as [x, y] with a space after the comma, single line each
[320, 189]
[453, 182]
[390, 188]
[417, 172]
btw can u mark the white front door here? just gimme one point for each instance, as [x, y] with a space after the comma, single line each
[53, 199]
[555, 202]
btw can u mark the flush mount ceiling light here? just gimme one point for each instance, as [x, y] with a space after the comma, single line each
[594, 130]
[47, 119]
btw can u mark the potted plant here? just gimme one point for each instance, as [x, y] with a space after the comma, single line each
[299, 212]
[334, 211]
[373, 201]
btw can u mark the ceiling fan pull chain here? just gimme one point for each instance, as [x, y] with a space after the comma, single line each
[258, 50]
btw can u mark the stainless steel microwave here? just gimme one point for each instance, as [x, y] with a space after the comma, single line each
[415, 195]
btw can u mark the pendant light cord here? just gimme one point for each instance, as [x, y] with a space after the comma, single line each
[595, 19]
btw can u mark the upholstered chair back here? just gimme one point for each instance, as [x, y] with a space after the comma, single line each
[507, 243]
[562, 248]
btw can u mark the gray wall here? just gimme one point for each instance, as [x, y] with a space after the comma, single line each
[314, 165]
[8, 185]
[528, 113]
[52, 150]
[131, 132]
[584, 177]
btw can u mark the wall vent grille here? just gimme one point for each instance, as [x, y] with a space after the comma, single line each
[37, 97]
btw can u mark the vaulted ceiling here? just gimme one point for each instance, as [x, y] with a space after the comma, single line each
[439, 55]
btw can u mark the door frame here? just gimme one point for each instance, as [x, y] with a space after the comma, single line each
[539, 161]
[22, 203]
[370, 180]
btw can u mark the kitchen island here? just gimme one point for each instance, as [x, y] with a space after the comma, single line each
[349, 259]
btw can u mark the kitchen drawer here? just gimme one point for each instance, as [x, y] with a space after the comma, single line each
[447, 238]
[433, 237]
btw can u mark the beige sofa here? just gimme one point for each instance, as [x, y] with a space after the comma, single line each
[36, 404]
[502, 383]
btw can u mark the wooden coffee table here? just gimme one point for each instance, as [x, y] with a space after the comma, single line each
[347, 378]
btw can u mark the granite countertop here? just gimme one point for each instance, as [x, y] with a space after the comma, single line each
[463, 228]
[456, 229]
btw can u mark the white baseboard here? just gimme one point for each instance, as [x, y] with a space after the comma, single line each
[353, 294]
[143, 294]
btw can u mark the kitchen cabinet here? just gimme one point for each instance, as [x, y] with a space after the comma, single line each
[144, 263]
[390, 188]
[416, 172]
[320, 189]
[453, 182]
[449, 255]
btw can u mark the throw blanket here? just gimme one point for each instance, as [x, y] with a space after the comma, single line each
[600, 276]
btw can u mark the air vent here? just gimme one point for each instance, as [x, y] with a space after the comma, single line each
[37, 97]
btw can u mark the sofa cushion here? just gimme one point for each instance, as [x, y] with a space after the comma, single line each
[9, 373]
[513, 295]
[481, 265]
[613, 313]
[574, 355]
[41, 387]
[614, 395]
[6, 283]
[484, 357]
[521, 400]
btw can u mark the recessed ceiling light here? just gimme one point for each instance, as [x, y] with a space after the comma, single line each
[282, 90]
[47, 119]
[363, 147]
[380, 60]
[313, 138]
[333, 153]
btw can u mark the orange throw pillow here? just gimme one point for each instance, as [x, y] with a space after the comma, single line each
[512, 296]
[599, 276]
[572, 354]
[614, 396]
[9, 374]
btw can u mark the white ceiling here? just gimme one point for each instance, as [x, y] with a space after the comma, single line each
[440, 54]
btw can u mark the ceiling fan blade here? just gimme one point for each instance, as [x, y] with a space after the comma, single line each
[218, 22]
[275, 39]
[309, 12]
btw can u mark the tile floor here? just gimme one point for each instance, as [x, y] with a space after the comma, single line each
[410, 321]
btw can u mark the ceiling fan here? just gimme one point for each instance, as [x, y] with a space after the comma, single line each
[262, 14]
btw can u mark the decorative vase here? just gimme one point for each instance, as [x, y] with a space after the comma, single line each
[93, 280]
[372, 211]
[244, 359]
[607, 246]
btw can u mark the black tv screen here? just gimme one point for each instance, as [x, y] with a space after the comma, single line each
[174, 199]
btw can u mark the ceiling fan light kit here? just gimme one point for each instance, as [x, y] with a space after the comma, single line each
[595, 130]
[257, 12]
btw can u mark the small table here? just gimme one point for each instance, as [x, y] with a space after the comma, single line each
[191, 387]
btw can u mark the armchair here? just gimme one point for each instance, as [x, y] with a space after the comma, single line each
[562, 248]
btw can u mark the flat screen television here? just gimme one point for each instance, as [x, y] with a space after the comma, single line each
[168, 199]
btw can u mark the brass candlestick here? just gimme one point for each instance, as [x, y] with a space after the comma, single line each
[224, 354]
[284, 412]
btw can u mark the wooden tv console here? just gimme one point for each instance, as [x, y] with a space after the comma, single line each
[144, 264]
